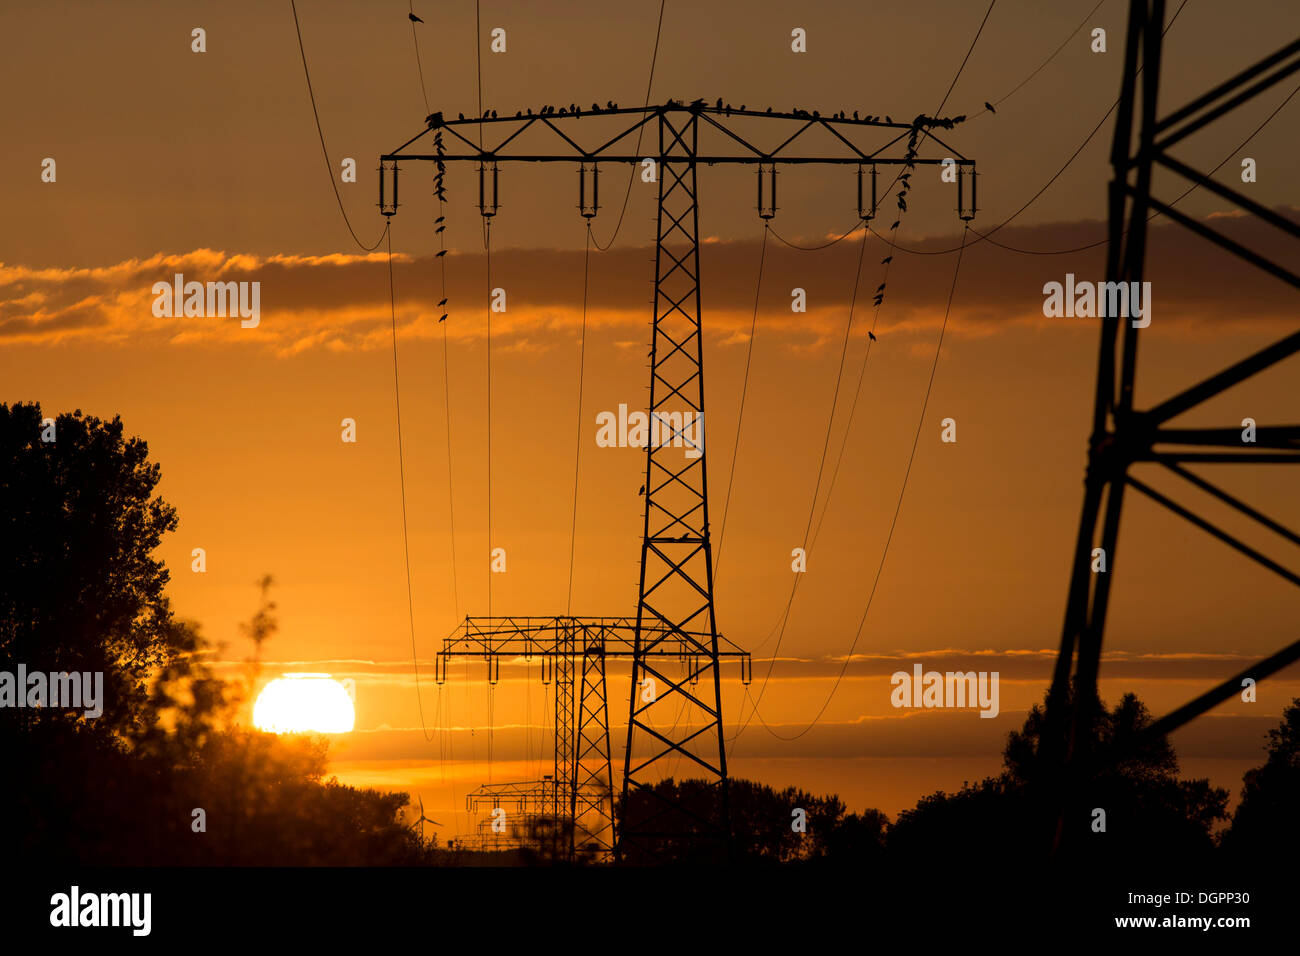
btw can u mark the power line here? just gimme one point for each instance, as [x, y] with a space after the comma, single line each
[1055, 176]
[1041, 66]
[897, 510]
[839, 378]
[631, 176]
[744, 391]
[969, 51]
[577, 444]
[329, 169]
[812, 507]
[401, 472]
[418, 65]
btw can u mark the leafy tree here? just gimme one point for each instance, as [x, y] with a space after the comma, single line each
[79, 587]
[762, 824]
[1267, 815]
[1149, 812]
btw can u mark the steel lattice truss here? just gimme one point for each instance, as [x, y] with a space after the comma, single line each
[577, 797]
[675, 708]
[1124, 436]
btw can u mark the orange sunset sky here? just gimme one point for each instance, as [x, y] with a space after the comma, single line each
[209, 165]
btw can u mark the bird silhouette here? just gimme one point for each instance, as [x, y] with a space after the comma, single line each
[989, 106]
[886, 259]
[442, 302]
[887, 119]
[413, 18]
[879, 287]
[441, 253]
[439, 219]
[769, 110]
[719, 102]
[460, 115]
[444, 317]
[642, 491]
[855, 114]
[897, 223]
[871, 335]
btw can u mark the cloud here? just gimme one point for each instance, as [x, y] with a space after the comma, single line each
[341, 302]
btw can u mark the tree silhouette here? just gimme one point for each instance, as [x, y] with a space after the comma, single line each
[1267, 814]
[1149, 811]
[763, 825]
[79, 588]
[168, 774]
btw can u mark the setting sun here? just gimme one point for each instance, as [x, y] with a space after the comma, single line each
[304, 703]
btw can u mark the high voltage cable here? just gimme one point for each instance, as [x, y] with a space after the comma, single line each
[812, 508]
[488, 234]
[1057, 174]
[401, 472]
[785, 618]
[1055, 53]
[1100, 242]
[893, 524]
[631, 176]
[744, 391]
[418, 65]
[966, 58]
[577, 444]
[329, 169]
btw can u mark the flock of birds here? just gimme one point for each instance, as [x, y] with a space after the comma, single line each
[610, 106]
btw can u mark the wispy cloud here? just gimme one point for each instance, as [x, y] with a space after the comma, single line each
[341, 302]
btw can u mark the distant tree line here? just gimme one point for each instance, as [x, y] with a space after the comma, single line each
[80, 590]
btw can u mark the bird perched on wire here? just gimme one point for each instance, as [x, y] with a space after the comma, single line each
[413, 18]
[989, 106]
[871, 335]
[886, 260]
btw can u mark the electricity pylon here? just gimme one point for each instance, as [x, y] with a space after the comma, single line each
[574, 802]
[1124, 436]
[671, 717]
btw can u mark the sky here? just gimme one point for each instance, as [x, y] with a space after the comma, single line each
[209, 164]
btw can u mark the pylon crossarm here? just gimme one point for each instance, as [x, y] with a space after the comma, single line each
[715, 119]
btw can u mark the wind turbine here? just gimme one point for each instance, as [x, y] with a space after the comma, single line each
[423, 819]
